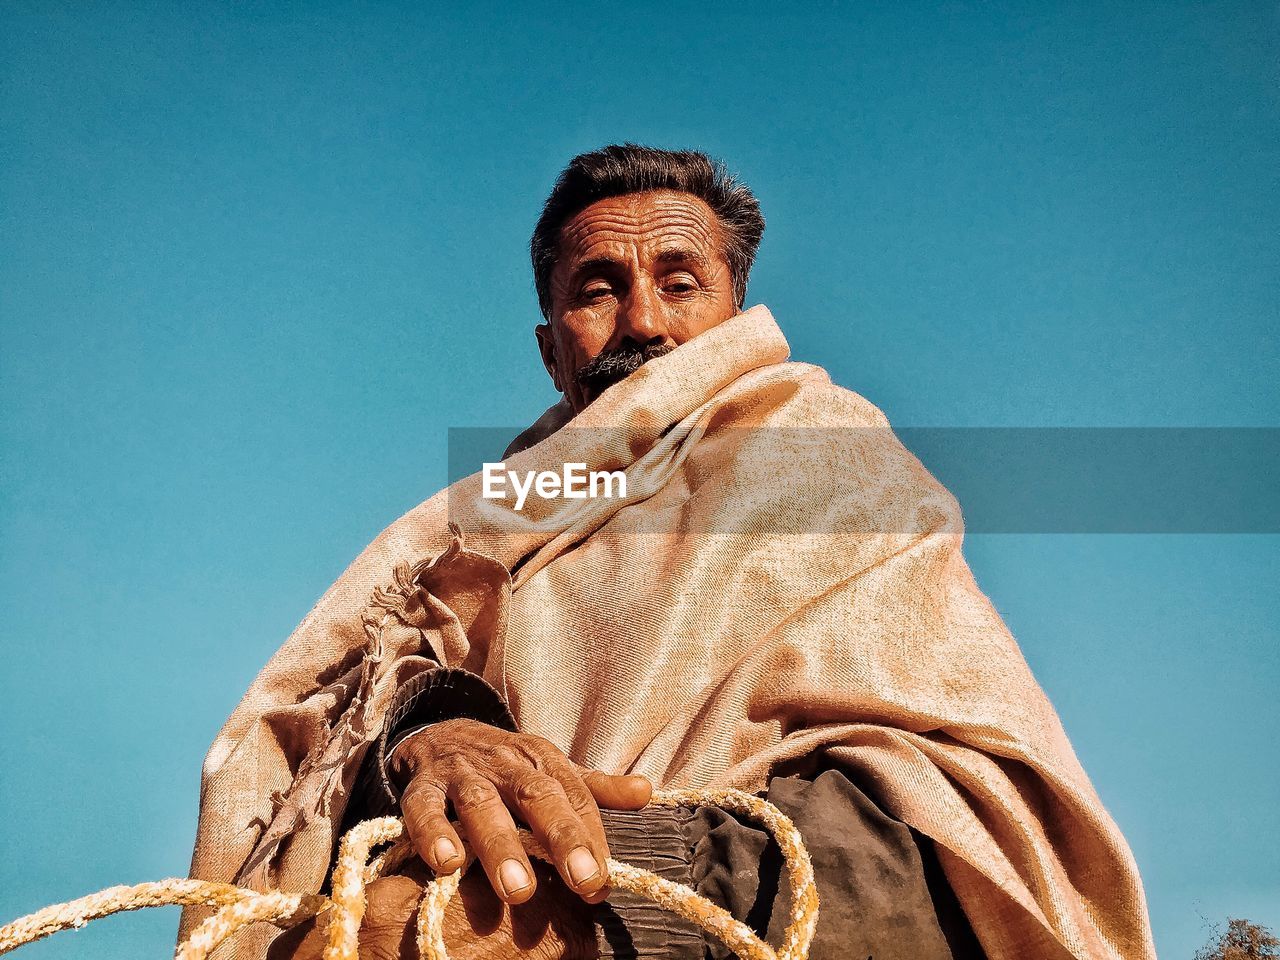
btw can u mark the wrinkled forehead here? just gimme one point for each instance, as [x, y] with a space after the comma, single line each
[644, 223]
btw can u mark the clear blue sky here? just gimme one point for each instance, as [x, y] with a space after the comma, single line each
[255, 259]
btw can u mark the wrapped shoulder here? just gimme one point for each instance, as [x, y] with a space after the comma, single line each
[843, 460]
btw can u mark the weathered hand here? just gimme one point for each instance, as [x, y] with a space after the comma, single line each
[554, 925]
[491, 776]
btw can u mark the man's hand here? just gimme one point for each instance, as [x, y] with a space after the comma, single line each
[491, 777]
[554, 925]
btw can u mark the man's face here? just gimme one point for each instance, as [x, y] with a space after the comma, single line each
[637, 276]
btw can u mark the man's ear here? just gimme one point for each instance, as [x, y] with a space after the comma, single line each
[547, 347]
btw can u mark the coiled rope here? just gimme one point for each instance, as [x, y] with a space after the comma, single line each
[353, 871]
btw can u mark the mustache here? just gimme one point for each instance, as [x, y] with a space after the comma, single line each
[611, 366]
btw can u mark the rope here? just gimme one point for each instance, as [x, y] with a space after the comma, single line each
[353, 871]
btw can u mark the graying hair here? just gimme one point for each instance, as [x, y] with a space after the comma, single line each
[618, 170]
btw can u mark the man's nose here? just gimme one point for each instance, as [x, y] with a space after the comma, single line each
[641, 319]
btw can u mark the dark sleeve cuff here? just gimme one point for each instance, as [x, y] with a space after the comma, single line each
[631, 927]
[882, 891]
[433, 696]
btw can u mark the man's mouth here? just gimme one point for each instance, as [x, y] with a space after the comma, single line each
[611, 366]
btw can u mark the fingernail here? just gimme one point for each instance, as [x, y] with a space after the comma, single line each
[513, 877]
[444, 850]
[582, 865]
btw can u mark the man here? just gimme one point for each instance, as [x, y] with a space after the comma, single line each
[775, 601]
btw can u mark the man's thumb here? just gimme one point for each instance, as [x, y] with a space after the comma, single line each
[618, 793]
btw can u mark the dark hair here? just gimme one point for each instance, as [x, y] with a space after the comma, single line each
[615, 171]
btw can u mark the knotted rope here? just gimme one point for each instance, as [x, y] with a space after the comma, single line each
[354, 871]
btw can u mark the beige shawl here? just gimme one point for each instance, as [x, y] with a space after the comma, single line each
[782, 581]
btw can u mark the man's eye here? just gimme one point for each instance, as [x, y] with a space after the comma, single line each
[680, 286]
[596, 292]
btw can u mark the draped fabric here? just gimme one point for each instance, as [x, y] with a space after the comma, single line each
[781, 584]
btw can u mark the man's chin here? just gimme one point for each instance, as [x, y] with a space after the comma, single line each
[591, 393]
[596, 383]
